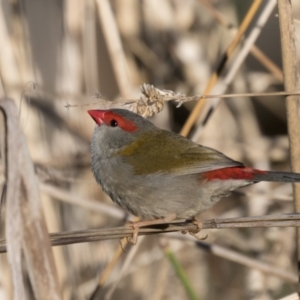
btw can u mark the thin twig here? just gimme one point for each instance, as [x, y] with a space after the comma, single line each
[239, 258]
[181, 98]
[219, 251]
[109, 267]
[93, 205]
[124, 268]
[267, 63]
[152, 99]
[249, 262]
[92, 235]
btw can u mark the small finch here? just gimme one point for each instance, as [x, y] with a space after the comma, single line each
[159, 175]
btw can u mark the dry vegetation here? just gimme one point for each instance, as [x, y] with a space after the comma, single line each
[54, 57]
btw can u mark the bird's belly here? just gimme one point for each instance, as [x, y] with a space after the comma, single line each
[159, 195]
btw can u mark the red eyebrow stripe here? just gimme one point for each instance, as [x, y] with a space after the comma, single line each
[123, 123]
[237, 173]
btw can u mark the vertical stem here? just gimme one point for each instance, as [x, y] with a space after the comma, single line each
[181, 274]
[227, 54]
[291, 82]
[25, 222]
[114, 46]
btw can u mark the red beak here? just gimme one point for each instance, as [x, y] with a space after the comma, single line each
[97, 115]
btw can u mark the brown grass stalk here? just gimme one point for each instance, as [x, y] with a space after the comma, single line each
[114, 46]
[180, 98]
[255, 51]
[99, 234]
[25, 221]
[231, 48]
[240, 258]
[291, 82]
[13, 205]
[209, 107]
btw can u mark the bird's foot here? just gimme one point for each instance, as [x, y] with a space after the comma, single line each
[137, 225]
[133, 239]
[196, 233]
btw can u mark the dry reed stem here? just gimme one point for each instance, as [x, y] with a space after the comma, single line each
[208, 107]
[254, 50]
[267, 63]
[291, 82]
[9, 71]
[112, 263]
[243, 27]
[115, 48]
[129, 257]
[40, 260]
[117, 56]
[13, 205]
[239, 258]
[108, 269]
[248, 262]
[90, 235]
[90, 65]
[151, 102]
[222, 252]
[92, 205]
[31, 228]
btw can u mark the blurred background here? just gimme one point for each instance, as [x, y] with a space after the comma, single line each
[56, 55]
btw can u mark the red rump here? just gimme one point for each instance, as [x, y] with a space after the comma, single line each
[106, 116]
[238, 173]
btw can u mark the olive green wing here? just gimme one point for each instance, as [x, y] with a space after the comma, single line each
[169, 153]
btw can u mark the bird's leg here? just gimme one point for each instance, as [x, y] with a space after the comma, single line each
[137, 225]
[195, 233]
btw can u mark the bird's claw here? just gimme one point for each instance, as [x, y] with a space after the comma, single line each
[133, 239]
[195, 233]
[197, 236]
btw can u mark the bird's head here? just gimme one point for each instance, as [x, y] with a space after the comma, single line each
[117, 128]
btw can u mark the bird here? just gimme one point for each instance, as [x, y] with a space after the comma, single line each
[160, 176]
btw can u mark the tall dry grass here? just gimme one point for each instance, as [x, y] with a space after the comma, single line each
[57, 56]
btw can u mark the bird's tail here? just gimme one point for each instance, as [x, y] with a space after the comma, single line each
[276, 176]
[252, 175]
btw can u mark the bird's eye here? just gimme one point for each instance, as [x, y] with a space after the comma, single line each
[113, 123]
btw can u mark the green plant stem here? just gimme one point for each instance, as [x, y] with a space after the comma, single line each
[181, 274]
